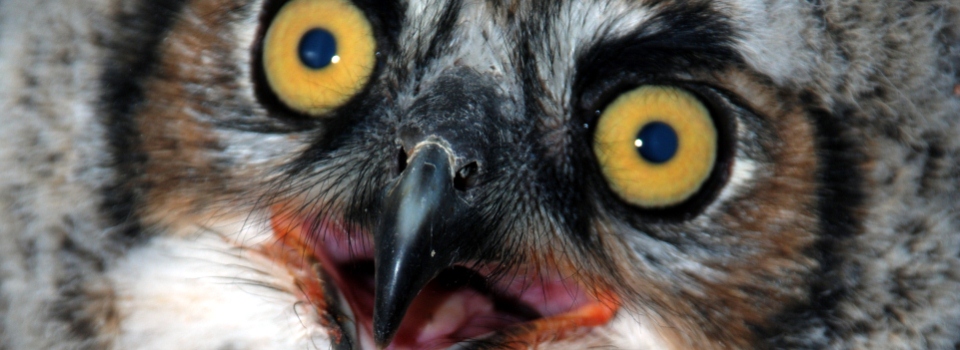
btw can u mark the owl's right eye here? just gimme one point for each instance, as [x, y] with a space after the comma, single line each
[317, 54]
[657, 146]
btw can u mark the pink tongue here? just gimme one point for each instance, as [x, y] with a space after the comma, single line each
[453, 314]
[440, 318]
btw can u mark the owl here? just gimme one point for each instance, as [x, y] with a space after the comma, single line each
[479, 174]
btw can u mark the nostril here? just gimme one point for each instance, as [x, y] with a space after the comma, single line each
[401, 161]
[466, 176]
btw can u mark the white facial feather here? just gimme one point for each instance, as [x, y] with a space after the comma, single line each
[772, 38]
[200, 291]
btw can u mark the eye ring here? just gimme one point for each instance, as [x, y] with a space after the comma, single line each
[318, 54]
[656, 146]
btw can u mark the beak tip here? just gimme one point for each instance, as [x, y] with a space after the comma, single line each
[388, 312]
[382, 335]
[393, 295]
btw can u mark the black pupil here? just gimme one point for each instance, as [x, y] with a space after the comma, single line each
[657, 142]
[318, 48]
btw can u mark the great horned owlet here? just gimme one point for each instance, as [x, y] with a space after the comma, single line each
[479, 174]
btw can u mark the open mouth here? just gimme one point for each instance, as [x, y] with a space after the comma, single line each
[463, 305]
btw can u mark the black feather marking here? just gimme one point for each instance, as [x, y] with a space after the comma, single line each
[840, 196]
[678, 40]
[73, 304]
[134, 55]
[442, 34]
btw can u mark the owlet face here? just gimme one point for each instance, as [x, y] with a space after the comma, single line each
[441, 173]
[432, 174]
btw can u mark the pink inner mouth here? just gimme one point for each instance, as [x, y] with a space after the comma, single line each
[462, 303]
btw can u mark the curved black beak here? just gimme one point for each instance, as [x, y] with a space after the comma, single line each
[414, 241]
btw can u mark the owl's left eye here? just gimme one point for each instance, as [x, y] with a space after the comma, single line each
[317, 54]
[656, 145]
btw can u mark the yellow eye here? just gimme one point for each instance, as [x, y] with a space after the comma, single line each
[317, 54]
[656, 145]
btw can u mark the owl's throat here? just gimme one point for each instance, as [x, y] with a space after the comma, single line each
[464, 303]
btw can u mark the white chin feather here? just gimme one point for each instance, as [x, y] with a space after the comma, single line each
[202, 292]
[626, 331]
